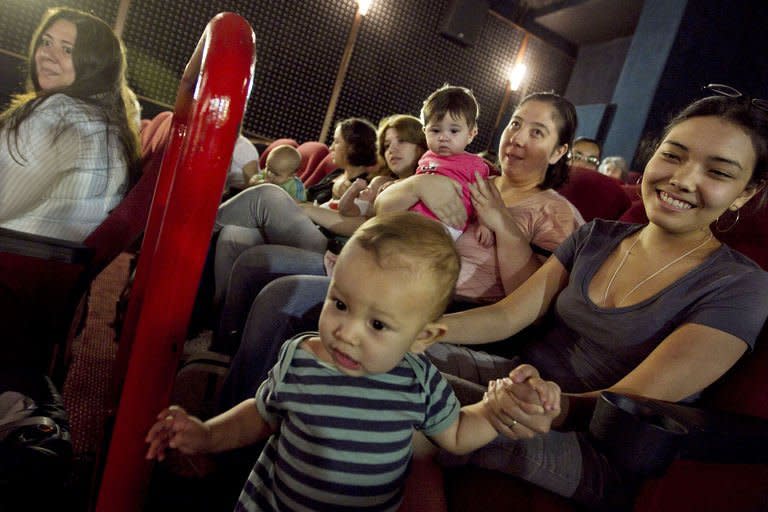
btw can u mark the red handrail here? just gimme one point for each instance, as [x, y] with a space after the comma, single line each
[208, 113]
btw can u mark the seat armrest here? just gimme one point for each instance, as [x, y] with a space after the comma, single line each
[712, 436]
[45, 248]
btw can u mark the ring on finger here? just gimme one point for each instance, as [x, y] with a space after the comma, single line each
[512, 424]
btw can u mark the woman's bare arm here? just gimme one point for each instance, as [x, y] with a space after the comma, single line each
[332, 220]
[511, 314]
[517, 262]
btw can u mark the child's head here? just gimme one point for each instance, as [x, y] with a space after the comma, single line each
[392, 281]
[282, 163]
[450, 117]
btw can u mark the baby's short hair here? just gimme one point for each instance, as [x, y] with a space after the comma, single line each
[288, 156]
[453, 100]
[415, 242]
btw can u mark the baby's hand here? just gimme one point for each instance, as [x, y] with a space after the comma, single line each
[525, 382]
[357, 186]
[484, 236]
[177, 429]
[256, 180]
[367, 195]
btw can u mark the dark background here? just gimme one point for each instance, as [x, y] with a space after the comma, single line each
[628, 65]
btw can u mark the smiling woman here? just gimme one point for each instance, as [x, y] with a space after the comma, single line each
[53, 57]
[661, 311]
[68, 152]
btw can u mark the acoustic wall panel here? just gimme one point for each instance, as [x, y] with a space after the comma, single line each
[400, 56]
[299, 45]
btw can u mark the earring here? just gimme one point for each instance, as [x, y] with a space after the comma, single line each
[717, 222]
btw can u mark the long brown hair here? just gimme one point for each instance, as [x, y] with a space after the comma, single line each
[99, 62]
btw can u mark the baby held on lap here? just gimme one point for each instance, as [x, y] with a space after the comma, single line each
[450, 117]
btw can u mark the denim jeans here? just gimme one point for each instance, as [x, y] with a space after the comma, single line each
[285, 307]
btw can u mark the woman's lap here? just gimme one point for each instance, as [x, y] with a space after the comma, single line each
[260, 215]
[566, 463]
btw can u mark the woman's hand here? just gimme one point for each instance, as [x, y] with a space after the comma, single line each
[523, 405]
[489, 205]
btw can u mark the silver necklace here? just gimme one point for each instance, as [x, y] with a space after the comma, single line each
[662, 269]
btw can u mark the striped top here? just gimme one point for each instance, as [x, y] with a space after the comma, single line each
[342, 443]
[64, 174]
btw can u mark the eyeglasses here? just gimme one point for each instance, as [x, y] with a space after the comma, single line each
[730, 92]
[590, 159]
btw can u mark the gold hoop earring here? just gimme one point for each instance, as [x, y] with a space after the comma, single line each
[721, 230]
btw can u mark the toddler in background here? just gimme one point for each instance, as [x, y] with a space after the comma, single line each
[341, 405]
[450, 117]
[280, 169]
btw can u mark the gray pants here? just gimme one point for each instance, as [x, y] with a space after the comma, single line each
[565, 463]
[264, 214]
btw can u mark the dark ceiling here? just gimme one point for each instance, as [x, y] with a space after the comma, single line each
[577, 22]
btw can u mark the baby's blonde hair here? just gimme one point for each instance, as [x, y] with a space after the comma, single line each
[415, 242]
[285, 157]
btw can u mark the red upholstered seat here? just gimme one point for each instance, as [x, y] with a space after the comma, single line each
[325, 166]
[272, 145]
[595, 195]
[312, 154]
[634, 177]
[632, 191]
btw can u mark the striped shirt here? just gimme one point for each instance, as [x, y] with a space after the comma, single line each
[64, 175]
[342, 443]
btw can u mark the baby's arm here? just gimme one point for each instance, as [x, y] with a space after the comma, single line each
[484, 236]
[250, 170]
[471, 430]
[240, 426]
[347, 205]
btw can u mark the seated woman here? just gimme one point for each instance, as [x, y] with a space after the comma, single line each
[69, 146]
[662, 310]
[517, 206]
[266, 214]
[401, 143]
[528, 218]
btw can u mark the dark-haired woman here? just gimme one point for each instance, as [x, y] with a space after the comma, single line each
[266, 214]
[528, 219]
[69, 146]
[661, 310]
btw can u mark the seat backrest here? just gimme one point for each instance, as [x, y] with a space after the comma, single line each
[272, 145]
[155, 132]
[312, 153]
[595, 195]
[325, 166]
[632, 191]
[126, 222]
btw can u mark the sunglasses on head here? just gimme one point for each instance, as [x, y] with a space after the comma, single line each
[730, 92]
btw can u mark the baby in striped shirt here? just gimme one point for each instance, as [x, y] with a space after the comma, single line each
[341, 404]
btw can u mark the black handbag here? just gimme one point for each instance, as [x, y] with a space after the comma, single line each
[35, 444]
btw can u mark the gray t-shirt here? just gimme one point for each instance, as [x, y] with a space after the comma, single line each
[586, 347]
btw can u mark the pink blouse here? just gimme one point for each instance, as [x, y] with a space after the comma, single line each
[546, 219]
